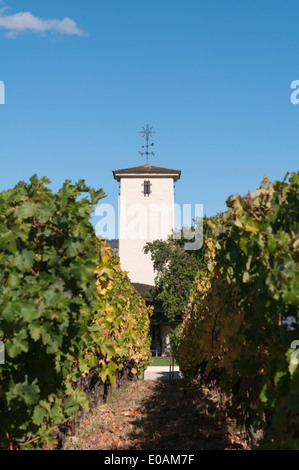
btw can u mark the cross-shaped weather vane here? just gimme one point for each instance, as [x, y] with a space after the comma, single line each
[147, 133]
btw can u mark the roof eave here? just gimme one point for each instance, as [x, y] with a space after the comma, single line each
[117, 176]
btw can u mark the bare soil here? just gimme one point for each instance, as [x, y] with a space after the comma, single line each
[158, 415]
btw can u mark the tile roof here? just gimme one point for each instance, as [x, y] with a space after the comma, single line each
[146, 170]
[142, 288]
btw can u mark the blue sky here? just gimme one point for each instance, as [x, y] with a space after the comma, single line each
[212, 77]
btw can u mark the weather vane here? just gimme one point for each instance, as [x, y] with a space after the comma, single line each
[147, 133]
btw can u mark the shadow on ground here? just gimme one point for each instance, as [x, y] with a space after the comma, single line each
[180, 416]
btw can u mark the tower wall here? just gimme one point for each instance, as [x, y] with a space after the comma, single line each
[143, 219]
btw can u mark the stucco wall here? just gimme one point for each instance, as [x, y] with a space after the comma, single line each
[143, 219]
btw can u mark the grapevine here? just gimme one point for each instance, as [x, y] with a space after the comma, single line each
[66, 310]
[235, 333]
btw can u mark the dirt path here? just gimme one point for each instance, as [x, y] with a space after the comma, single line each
[158, 415]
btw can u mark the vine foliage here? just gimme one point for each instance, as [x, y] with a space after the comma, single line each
[66, 309]
[236, 333]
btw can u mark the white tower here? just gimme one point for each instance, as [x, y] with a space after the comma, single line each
[146, 213]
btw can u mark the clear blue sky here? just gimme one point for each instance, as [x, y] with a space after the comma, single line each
[212, 77]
